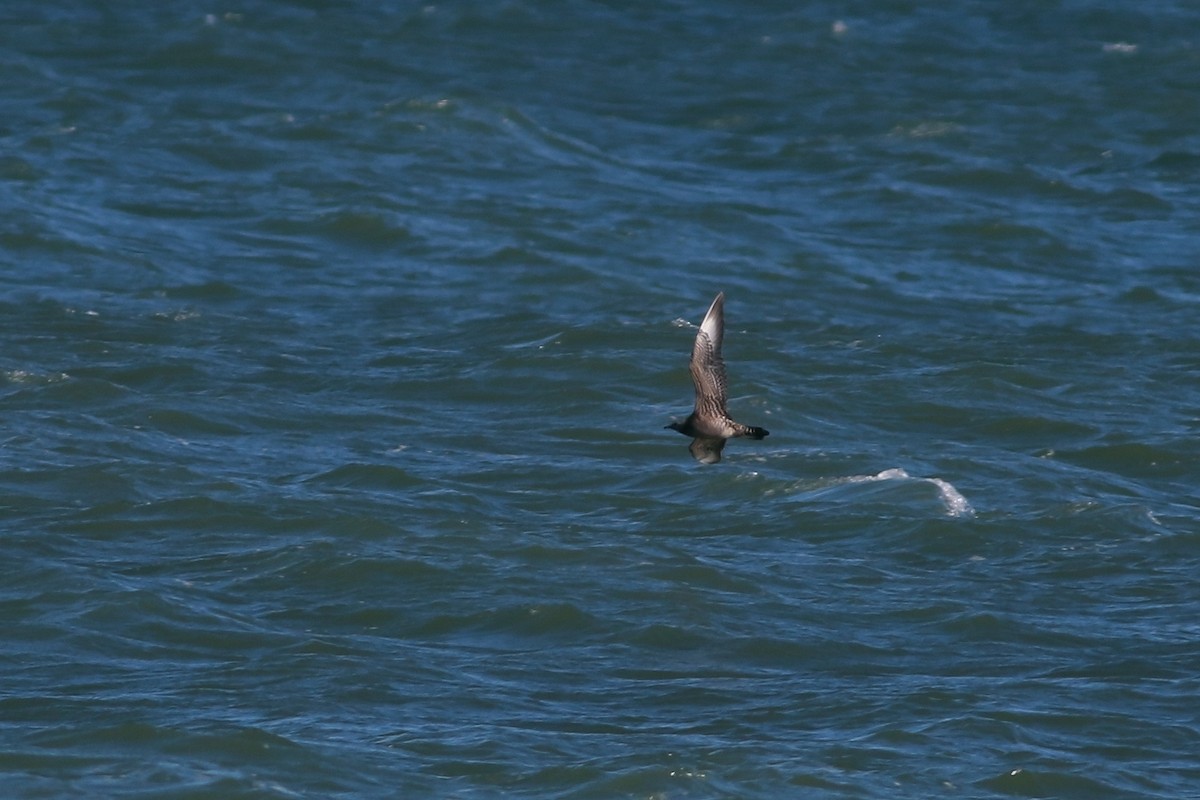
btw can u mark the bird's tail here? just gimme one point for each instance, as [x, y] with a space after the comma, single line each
[752, 431]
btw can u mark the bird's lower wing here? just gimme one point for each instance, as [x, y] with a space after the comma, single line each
[706, 450]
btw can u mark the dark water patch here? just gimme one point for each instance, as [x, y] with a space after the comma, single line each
[1045, 780]
[223, 519]
[34, 238]
[179, 422]
[182, 755]
[1176, 164]
[206, 292]
[227, 151]
[1135, 459]
[712, 578]
[518, 623]
[15, 168]
[74, 486]
[359, 477]
[373, 229]
[1036, 431]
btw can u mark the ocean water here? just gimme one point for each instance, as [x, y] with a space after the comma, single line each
[337, 340]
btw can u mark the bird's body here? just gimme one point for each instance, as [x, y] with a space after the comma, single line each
[709, 424]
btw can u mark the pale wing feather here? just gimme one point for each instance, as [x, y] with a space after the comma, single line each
[707, 366]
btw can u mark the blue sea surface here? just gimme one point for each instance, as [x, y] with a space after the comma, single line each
[337, 342]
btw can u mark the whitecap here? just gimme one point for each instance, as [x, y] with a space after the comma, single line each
[956, 504]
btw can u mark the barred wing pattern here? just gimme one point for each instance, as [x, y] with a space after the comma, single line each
[709, 423]
[707, 366]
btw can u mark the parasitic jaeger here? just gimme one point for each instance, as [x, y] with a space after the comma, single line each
[709, 424]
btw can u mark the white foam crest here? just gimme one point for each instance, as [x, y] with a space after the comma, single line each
[956, 504]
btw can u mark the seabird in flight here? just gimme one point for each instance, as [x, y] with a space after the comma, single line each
[709, 424]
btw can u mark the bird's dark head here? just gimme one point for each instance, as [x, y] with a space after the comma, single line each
[684, 427]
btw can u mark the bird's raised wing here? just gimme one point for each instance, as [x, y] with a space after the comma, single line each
[707, 366]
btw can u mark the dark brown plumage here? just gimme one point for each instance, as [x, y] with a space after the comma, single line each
[709, 423]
